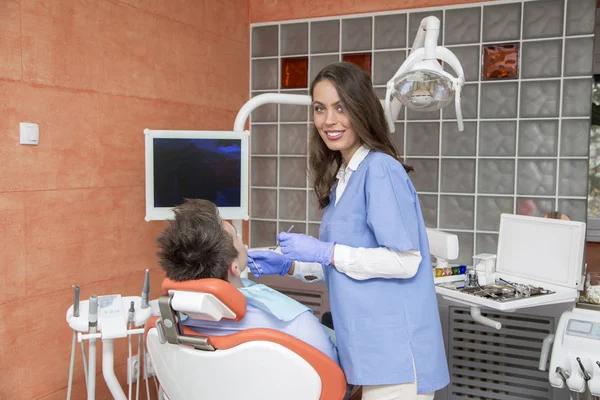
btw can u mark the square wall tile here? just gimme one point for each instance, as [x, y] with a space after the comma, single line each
[264, 203]
[579, 56]
[292, 204]
[534, 207]
[361, 60]
[325, 36]
[317, 63]
[422, 138]
[541, 59]
[501, 22]
[576, 97]
[574, 137]
[573, 178]
[313, 230]
[263, 139]
[294, 39]
[413, 115]
[263, 233]
[536, 177]
[292, 112]
[499, 100]
[356, 34]
[540, 99]
[576, 210]
[414, 21]
[398, 137]
[543, 21]
[468, 103]
[314, 212]
[538, 138]
[489, 210]
[457, 143]
[264, 113]
[465, 248]
[469, 60]
[462, 26]
[496, 176]
[486, 243]
[497, 138]
[294, 72]
[385, 65]
[500, 61]
[292, 172]
[390, 32]
[457, 212]
[265, 41]
[293, 139]
[429, 209]
[458, 176]
[264, 171]
[425, 175]
[264, 74]
[581, 17]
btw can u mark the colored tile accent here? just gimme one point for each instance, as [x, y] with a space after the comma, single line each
[363, 60]
[500, 61]
[294, 73]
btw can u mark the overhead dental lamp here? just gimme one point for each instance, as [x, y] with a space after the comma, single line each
[420, 84]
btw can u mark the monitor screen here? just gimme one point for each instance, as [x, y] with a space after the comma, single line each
[208, 165]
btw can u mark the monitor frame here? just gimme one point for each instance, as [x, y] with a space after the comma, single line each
[165, 213]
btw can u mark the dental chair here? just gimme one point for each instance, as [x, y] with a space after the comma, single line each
[253, 364]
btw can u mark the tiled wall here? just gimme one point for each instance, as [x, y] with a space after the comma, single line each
[525, 144]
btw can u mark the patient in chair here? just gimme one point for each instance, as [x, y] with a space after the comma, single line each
[198, 244]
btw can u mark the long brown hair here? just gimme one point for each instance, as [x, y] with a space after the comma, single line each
[366, 114]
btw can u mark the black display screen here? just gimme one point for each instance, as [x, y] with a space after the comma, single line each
[207, 169]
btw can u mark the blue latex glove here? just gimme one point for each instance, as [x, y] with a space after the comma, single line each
[300, 247]
[266, 262]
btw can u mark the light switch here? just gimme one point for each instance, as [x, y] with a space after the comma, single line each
[30, 133]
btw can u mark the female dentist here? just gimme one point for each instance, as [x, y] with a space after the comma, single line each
[372, 250]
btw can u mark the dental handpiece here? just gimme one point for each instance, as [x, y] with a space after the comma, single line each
[563, 374]
[146, 290]
[586, 375]
[93, 313]
[131, 312]
[75, 301]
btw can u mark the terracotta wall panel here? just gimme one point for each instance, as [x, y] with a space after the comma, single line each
[10, 40]
[87, 235]
[12, 237]
[114, 48]
[273, 10]
[38, 339]
[190, 12]
[225, 18]
[67, 153]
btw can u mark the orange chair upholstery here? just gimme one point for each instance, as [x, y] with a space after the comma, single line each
[249, 347]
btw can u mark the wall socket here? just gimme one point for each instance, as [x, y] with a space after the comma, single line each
[134, 364]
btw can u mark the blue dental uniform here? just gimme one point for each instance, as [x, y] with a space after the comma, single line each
[382, 325]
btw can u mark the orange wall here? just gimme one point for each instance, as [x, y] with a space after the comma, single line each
[278, 10]
[93, 75]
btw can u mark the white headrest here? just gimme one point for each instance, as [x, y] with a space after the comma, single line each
[202, 306]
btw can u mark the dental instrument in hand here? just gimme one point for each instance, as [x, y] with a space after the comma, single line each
[277, 245]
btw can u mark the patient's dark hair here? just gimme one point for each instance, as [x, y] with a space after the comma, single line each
[195, 245]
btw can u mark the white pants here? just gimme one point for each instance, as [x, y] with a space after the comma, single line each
[405, 391]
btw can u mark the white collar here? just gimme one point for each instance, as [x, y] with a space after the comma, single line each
[359, 155]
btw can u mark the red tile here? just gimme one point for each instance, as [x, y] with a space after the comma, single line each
[87, 235]
[12, 237]
[363, 60]
[10, 40]
[118, 49]
[294, 72]
[500, 61]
